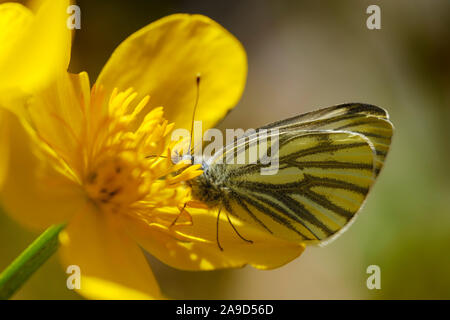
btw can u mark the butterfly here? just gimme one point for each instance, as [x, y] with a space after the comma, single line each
[328, 162]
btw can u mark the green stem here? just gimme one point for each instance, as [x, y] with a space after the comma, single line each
[18, 272]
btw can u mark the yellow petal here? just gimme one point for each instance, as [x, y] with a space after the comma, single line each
[99, 289]
[34, 193]
[4, 146]
[34, 47]
[112, 265]
[195, 247]
[59, 114]
[15, 22]
[163, 59]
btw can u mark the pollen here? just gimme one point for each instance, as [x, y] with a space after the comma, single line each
[117, 180]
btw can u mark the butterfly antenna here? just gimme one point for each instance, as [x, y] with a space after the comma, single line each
[197, 81]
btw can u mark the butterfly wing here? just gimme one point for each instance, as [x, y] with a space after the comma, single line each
[369, 120]
[323, 179]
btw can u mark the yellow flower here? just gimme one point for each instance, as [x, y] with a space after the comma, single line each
[101, 161]
[33, 47]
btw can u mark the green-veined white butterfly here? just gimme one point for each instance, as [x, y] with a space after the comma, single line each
[328, 161]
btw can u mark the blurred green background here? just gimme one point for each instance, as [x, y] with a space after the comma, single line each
[304, 55]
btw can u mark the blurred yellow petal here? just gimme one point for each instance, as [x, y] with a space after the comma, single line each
[15, 22]
[185, 250]
[108, 258]
[34, 47]
[4, 146]
[99, 289]
[163, 59]
[34, 192]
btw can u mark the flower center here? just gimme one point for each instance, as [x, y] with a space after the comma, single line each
[117, 181]
[130, 170]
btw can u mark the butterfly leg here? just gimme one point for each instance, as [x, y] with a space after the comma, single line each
[178, 216]
[237, 232]
[217, 230]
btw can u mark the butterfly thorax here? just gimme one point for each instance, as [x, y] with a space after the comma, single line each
[210, 187]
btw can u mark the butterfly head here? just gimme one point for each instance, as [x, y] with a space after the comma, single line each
[189, 158]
